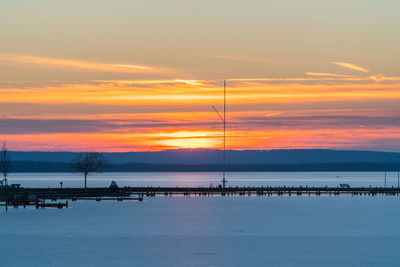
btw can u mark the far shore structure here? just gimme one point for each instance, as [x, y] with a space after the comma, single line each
[5, 163]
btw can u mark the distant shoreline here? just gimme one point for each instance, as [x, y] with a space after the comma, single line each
[38, 166]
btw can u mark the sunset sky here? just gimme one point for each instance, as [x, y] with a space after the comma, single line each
[123, 75]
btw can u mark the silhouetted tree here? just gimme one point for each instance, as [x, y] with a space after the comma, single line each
[5, 162]
[87, 162]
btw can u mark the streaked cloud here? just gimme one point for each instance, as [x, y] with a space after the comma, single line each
[327, 74]
[174, 81]
[383, 78]
[246, 58]
[317, 78]
[351, 66]
[80, 65]
[203, 124]
[236, 58]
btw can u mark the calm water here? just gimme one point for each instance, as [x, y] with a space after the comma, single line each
[206, 231]
[207, 178]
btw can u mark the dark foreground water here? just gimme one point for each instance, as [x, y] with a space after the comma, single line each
[206, 231]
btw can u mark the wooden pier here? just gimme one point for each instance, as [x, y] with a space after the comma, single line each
[15, 197]
[263, 191]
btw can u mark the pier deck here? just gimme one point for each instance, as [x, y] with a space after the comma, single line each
[38, 196]
[137, 193]
[263, 191]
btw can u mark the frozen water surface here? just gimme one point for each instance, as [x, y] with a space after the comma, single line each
[205, 231]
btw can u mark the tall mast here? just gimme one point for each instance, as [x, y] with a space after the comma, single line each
[224, 167]
[223, 119]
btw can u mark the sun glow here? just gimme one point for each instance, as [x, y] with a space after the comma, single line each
[188, 139]
[125, 115]
[189, 143]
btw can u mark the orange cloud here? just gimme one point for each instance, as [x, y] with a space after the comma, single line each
[383, 78]
[329, 112]
[185, 94]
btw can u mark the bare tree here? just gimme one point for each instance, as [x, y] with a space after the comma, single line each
[87, 162]
[5, 162]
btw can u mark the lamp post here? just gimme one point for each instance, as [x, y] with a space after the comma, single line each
[385, 179]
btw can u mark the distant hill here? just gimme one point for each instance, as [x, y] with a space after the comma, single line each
[210, 160]
[207, 156]
[33, 166]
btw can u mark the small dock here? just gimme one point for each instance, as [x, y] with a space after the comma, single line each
[59, 197]
[38, 203]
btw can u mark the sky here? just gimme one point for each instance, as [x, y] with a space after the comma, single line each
[119, 75]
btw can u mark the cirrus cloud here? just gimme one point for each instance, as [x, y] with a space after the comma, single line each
[351, 66]
[72, 64]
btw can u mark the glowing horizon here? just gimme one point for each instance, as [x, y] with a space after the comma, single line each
[176, 114]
